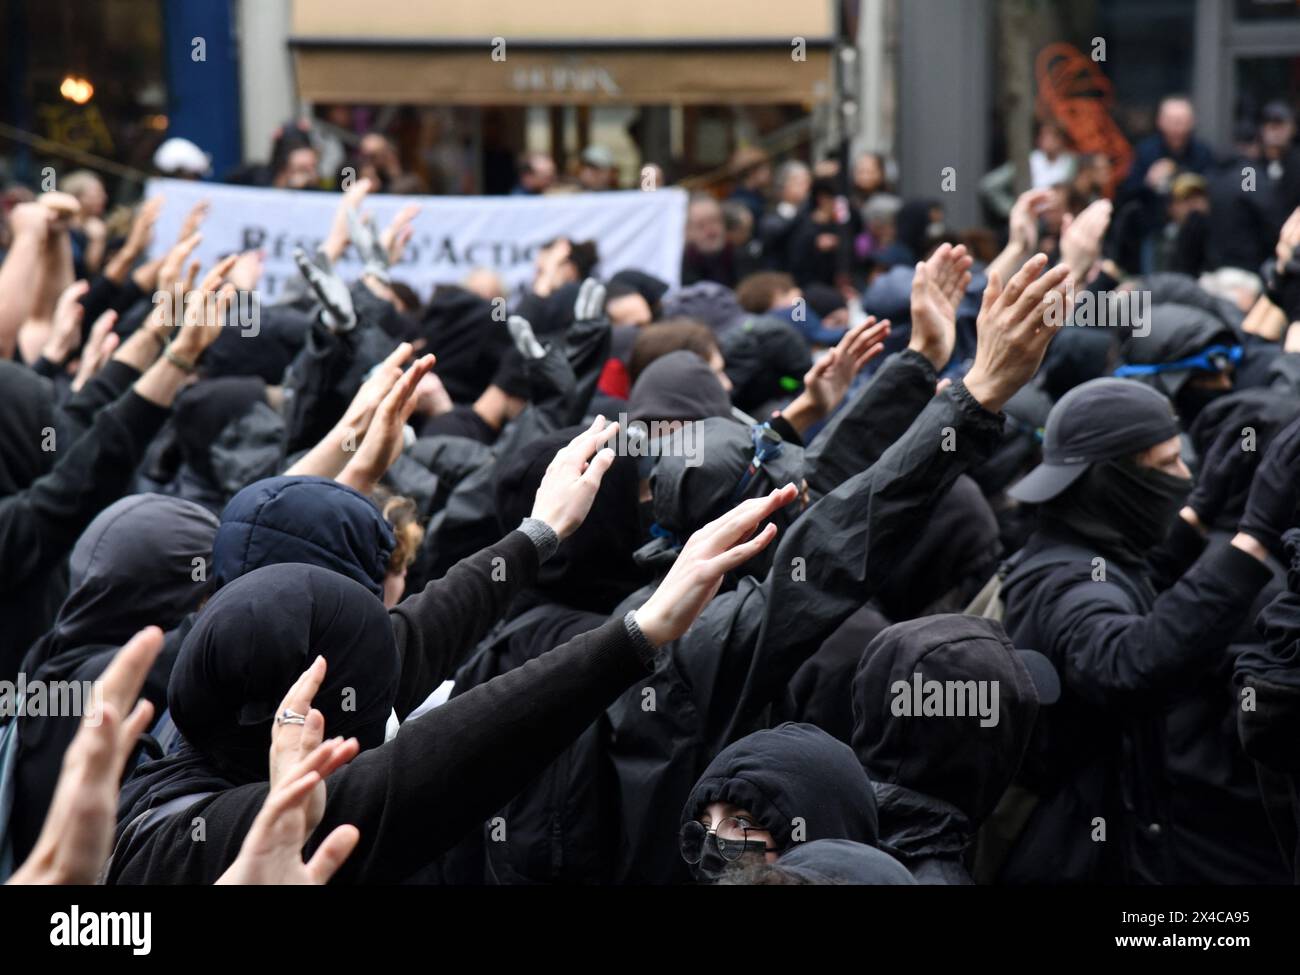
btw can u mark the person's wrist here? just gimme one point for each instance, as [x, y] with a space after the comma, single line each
[1251, 545]
[802, 412]
[652, 625]
[985, 390]
[1190, 515]
[932, 353]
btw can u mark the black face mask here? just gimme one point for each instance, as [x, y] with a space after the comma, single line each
[713, 864]
[1122, 507]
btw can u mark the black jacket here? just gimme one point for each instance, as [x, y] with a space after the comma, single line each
[1125, 651]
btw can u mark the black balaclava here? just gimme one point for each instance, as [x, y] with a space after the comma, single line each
[799, 783]
[256, 637]
[1122, 507]
[28, 412]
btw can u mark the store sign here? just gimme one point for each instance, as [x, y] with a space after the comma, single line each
[453, 234]
[565, 78]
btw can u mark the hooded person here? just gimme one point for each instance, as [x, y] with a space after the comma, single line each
[1187, 353]
[770, 791]
[459, 329]
[678, 386]
[953, 557]
[410, 797]
[319, 522]
[1270, 731]
[766, 362]
[142, 561]
[712, 303]
[591, 572]
[826, 863]
[1119, 589]
[54, 481]
[224, 435]
[943, 710]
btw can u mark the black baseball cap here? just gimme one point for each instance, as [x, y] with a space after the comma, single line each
[1096, 421]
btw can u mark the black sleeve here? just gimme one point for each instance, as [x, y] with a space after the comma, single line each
[103, 388]
[864, 428]
[437, 627]
[1113, 656]
[39, 526]
[414, 797]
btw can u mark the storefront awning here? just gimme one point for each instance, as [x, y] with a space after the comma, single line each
[411, 77]
[519, 52]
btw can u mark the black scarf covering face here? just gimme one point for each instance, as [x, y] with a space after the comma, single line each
[249, 644]
[1122, 507]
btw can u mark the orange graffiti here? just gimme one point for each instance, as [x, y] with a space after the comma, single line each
[1073, 91]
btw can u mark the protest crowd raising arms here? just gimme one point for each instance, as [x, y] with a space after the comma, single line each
[842, 545]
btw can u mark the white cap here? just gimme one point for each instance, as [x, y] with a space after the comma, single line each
[181, 156]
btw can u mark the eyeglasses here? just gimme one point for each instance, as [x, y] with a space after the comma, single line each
[693, 836]
[1217, 358]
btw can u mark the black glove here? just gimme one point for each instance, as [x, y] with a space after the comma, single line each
[1225, 469]
[1275, 490]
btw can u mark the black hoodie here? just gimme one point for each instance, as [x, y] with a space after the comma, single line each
[799, 783]
[938, 777]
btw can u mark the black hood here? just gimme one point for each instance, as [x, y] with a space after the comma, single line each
[791, 777]
[28, 412]
[766, 361]
[1264, 411]
[253, 640]
[245, 650]
[953, 759]
[690, 491]
[311, 520]
[133, 566]
[593, 569]
[1176, 332]
[678, 386]
[845, 862]
[459, 329]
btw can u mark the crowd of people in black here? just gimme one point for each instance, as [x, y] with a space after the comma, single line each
[870, 553]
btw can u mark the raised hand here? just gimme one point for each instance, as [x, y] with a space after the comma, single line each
[99, 348]
[78, 833]
[1013, 336]
[205, 312]
[1081, 239]
[398, 233]
[827, 382]
[65, 330]
[708, 555]
[384, 439]
[299, 762]
[137, 240]
[572, 478]
[937, 290]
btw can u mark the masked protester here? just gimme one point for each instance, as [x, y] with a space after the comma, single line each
[770, 791]
[1119, 589]
[940, 764]
[1188, 354]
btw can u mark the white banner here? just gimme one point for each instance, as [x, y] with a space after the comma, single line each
[453, 234]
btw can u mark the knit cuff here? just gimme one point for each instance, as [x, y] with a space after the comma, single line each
[644, 648]
[543, 537]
